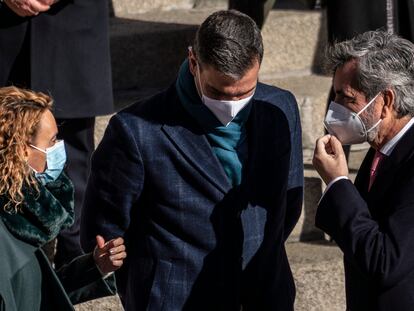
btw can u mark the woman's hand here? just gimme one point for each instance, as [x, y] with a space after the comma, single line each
[109, 256]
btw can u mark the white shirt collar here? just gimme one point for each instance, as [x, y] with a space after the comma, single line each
[390, 145]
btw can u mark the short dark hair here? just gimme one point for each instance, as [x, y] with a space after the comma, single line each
[229, 41]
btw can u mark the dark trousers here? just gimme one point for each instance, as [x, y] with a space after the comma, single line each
[256, 9]
[78, 135]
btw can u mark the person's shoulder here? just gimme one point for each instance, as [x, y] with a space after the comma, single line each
[15, 253]
[280, 98]
[274, 95]
[149, 109]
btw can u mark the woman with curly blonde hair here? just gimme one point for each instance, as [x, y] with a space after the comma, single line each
[36, 202]
[20, 112]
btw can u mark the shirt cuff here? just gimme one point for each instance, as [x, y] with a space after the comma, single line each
[330, 185]
[104, 275]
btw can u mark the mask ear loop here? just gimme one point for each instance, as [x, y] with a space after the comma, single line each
[374, 126]
[366, 107]
[37, 148]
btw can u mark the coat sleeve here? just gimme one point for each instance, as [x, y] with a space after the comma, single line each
[295, 179]
[2, 302]
[382, 252]
[115, 184]
[82, 280]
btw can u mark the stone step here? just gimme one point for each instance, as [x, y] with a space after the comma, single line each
[122, 7]
[311, 94]
[319, 276]
[317, 269]
[112, 303]
[147, 49]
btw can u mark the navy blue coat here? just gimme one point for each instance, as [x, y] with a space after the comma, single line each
[194, 242]
[375, 230]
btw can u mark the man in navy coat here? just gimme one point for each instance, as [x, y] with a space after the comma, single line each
[204, 181]
[372, 220]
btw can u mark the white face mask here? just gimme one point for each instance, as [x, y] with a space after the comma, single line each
[224, 110]
[347, 125]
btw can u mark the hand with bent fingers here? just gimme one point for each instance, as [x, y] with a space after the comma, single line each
[109, 256]
[329, 158]
[29, 7]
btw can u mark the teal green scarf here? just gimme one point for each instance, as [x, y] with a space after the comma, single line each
[43, 214]
[228, 143]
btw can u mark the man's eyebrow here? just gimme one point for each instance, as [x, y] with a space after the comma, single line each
[233, 95]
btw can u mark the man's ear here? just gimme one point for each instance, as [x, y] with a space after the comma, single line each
[389, 103]
[192, 62]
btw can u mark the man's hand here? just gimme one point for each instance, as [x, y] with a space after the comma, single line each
[329, 158]
[109, 256]
[29, 7]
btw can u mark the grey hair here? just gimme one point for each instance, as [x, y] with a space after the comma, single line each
[229, 41]
[385, 61]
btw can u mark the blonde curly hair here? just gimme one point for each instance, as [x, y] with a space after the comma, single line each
[20, 114]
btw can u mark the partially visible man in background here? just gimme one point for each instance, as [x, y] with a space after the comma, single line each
[62, 48]
[258, 10]
[372, 221]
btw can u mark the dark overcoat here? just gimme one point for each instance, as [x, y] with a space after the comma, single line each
[29, 283]
[194, 241]
[64, 52]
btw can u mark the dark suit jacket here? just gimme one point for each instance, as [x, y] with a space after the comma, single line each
[194, 242]
[28, 282]
[375, 230]
[64, 52]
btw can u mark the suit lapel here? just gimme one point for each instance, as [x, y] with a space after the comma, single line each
[188, 138]
[269, 153]
[389, 165]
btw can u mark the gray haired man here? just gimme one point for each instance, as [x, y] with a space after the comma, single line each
[372, 220]
[204, 181]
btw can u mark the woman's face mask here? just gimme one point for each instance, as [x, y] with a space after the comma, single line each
[224, 110]
[55, 162]
[347, 125]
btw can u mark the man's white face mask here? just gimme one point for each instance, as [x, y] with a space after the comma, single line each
[347, 125]
[224, 110]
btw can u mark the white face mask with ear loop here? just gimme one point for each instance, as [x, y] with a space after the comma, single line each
[347, 125]
[224, 110]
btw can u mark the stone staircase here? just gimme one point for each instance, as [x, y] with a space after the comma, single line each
[149, 40]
